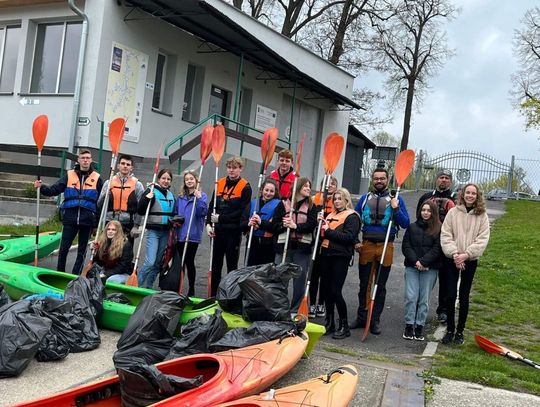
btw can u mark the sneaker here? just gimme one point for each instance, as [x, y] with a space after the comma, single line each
[321, 310]
[442, 317]
[419, 332]
[375, 328]
[459, 339]
[357, 324]
[408, 333]
[447, 338]
[312, 311]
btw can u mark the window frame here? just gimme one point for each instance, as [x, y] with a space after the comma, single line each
[163, 82]
[6, 27]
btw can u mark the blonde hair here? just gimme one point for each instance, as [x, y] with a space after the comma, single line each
[479, 204]
[345, 196]
[116, 245]
[235, 162]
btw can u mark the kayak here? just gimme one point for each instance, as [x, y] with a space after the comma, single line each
[21, 249]
[20, 280]
[335, 389]
[226, 375]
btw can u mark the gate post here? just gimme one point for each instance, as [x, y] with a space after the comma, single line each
[419, 168]
[510, 177]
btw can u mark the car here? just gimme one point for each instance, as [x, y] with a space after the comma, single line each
[497, 195]
[520, 195]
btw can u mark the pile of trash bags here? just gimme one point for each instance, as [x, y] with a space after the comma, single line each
[48, 327]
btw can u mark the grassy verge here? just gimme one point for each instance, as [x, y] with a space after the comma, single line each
[504, 306]
[52, 224]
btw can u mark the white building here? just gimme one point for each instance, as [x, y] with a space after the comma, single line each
[164, 65]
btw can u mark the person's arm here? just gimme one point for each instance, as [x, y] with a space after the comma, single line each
[101, 198]
[201, 209]
[349, 233]
[139, 190]
[55, 189]
[477, 247]
[246, 215]
[400, 214]
[279, 213]
[123, 266]
[406, 247]
[433, 254]
[210, 209]
[144, 202]
[448, 243]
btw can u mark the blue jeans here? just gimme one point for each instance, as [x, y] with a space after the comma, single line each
[156, 243]
[118, 278]
[301, 258]
[418, 287]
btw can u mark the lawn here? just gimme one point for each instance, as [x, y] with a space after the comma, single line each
[52, 224]
[505, 307]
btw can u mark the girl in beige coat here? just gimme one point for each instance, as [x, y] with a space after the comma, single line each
[464, 237]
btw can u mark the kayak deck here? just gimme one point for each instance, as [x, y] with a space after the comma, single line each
[21, 249]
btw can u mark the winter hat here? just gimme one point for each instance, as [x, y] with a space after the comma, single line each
[448, 173]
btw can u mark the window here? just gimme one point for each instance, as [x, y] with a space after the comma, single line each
[159, 83]
[56, 58]
[164, 83]
[193, 94]
[9, 49]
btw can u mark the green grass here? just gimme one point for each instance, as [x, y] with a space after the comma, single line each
[52, 224]
[505, 306]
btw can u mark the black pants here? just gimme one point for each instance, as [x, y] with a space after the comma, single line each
[316, 283]
[261, 252]
[335, 272]
[68, 235]
[364, 297]
[444, 270]
[226, 244]
[189, 262]
[465, 285]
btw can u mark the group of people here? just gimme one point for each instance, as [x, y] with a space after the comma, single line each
[446, 239]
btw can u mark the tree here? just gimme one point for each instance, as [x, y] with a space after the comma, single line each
[410, 48]
[526, 82]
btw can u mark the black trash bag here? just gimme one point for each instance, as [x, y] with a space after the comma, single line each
[97, 289]
[169, 278]
[146, 385]
[198, 334]
[258, 332]
[79, 294]
[265, 293]
[145, 353]
[4, 298]
[229, 294]
[156, 317]
[20, 335]
[118, 298]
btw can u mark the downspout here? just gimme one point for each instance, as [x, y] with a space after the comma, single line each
[78, 81]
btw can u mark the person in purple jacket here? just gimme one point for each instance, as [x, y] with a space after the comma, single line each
[184, 207]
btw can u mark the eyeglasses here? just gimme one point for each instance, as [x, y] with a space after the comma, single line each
[379, 179]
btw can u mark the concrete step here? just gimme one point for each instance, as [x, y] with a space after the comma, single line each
[16, 177]
[14, 183]
[46, 201]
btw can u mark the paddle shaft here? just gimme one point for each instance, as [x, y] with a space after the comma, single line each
[288, 235]
[38, 190]
[209, 277]
[250, 237]
[144, 224]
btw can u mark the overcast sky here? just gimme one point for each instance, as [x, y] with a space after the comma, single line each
[469, 107]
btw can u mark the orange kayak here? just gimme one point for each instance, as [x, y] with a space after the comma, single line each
[335, 389]
[226, 375]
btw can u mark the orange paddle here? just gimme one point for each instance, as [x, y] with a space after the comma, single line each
[40, 128]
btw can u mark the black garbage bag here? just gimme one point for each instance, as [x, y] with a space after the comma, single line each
[198, 334]
[4, 298]
[118, 297]
[258, 332]
[144, 353]
[229, 294]
[145, 385]
[265, 292]
[20, 335]
[156, 317]
[79, 294]
[169, 278]
[97, 289]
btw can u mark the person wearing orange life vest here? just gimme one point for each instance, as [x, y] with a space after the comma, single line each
[318, 308]
[233, 195]
[302, 224]
[126, 190]
[284, 174]
[340, 228]
[262, 242]
[81, 187]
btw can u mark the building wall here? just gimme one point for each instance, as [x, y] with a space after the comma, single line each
[149, 35]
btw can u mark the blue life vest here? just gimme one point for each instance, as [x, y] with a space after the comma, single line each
[162, 208]
[266, 213]
[77, 196]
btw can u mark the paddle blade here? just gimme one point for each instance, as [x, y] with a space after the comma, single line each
[333, 147]
[404, 165]
[487, 345]
[303, 308]
[268, 146]
[39, 130]
[132, 279]
[116, 134]
[299, 154]
[206, 142]
[156, 165]
[218, 143]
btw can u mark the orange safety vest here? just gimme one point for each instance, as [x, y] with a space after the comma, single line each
[121, 192]
[232, 193]
[317, 200]
[335, 220]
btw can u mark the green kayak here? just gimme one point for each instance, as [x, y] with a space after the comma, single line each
[20, 280]
[21, 249]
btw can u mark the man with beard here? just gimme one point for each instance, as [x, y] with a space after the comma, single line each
[442, 196]
[376, 209]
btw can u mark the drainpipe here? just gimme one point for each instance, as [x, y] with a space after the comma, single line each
[78, 81]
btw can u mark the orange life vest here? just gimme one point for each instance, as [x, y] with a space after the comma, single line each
[335, 220]
[232, 193]
[318, 198]
[121, 193]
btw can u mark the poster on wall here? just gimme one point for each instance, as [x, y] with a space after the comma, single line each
[265, 118]
[125, 89]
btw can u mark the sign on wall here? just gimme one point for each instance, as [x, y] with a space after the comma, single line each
[265, 118]
[125, 88]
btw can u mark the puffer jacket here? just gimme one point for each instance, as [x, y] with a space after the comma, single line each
[464, 232]
[420, 246]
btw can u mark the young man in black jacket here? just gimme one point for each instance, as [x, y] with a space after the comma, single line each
[81, 187]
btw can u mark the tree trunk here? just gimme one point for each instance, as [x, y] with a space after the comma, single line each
[408, 114]
[238, 4]
[337, 49]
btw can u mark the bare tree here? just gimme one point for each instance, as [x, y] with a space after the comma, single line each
[526, 82]
[410, 48]
[299, 13]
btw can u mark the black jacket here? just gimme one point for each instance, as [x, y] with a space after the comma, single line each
[435, 194]
[122, 265]
[307, 227]
[343, 238]
[418, 245]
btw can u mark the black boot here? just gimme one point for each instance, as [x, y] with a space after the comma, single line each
[343, 330]
[329, 323]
